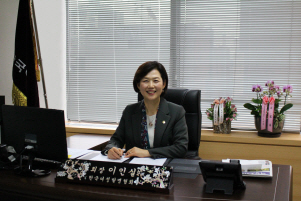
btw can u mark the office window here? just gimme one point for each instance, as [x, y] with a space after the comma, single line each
[219, 47]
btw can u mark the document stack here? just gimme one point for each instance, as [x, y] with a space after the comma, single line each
[255, 168]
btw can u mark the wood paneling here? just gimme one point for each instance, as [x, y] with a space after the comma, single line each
[247, 145]
[72, 129]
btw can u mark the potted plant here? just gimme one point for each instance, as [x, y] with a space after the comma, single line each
[229, 114]
[269, 105]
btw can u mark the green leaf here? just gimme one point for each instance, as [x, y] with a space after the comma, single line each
[249, 106]
[286, 107]
[257, 101]
[255, 113]
[281, 117]
[276, 124]
[210, 118]
[277, 101]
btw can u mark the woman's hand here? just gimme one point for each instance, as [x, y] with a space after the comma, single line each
[115, 153]
[141, 153]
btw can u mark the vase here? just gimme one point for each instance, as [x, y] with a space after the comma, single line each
[216, 128]
[222, 128]
[265, 133]
[226, 127]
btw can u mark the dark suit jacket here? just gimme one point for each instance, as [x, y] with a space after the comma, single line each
[171, 135]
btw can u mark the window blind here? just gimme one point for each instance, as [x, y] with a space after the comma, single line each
[106, 42]
[220, 47]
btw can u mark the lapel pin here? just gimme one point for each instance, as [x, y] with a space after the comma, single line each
[163, 122]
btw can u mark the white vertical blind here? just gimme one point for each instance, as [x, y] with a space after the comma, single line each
[220, 47]
[106, 42]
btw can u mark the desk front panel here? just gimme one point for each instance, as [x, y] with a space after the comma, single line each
[44, 188]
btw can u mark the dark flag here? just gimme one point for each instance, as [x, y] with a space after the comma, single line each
[25, 67]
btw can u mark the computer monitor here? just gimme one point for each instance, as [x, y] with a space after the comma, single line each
[2, 102]
[45, 128]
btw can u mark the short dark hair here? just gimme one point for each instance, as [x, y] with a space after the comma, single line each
[147, 67]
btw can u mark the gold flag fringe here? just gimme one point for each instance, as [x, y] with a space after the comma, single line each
[19, 99]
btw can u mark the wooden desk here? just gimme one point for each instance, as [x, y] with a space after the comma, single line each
[13, 187]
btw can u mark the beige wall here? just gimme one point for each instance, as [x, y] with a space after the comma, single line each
[51, 22]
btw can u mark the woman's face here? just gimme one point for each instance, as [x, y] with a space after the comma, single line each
[151, 86]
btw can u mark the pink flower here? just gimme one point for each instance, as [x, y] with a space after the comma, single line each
[265, 100]
[231, 119]
[216, 102]
[256, 88]
[288, 89]
[232, 106]
[227, 118]
[222, 101]
[234, 115]
[229, 99]
[269, 83]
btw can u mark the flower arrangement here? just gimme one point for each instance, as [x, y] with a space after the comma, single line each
[267, 97]
[230, 110]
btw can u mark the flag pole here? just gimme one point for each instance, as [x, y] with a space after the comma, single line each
[39, 53]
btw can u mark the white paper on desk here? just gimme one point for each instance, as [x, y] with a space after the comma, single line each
[255, 168]
[247, 164]
[97, 156]
[74, 153]
[148, 161]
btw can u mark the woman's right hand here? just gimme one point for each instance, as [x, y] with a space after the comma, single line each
[115, 153]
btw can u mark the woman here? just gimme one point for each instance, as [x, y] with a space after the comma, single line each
[152, 127]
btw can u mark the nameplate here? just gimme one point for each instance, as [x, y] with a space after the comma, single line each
[146, 177]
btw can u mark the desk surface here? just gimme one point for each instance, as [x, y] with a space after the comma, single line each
[12, 187]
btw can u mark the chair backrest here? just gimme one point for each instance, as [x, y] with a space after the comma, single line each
[191, 101]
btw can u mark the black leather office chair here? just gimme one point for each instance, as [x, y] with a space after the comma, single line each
[191, 101]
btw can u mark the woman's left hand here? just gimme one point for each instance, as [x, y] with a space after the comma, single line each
[141, 153]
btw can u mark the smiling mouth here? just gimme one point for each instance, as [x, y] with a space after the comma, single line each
[151, 92]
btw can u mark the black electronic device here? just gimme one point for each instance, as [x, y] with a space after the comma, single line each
[8, 157]
[36, 134]
[2, 102]
[221, 176]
